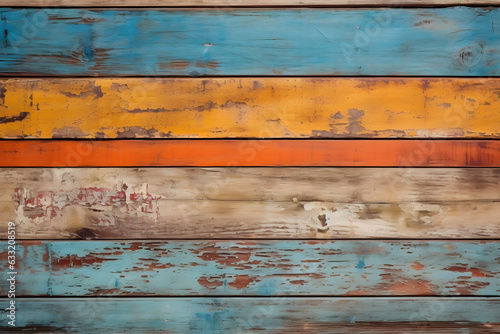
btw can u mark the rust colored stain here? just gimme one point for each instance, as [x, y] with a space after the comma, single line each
[475, 272]
[134, 246]
[417, 266]
[173, 152]
[231, 260]
[412, 287]
[241, 281]
[298, 282]
[154, 266]
[4, 255]
[469, 287]
[32, 243]
[358, 292]
[210, 282]
[52, 204]
[318, 242]
[72, 261]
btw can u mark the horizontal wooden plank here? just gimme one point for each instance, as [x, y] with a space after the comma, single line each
[237, 3]
[250, 107]
[456, 41]
[299, 203]
[256, 268]
[261, 315]
[229, 153]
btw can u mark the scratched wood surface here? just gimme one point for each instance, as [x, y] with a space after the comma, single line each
[260, 315]
[455, 41]
[212, 285]
[249, 107]
[256, 268]
[296, 203]
[238, 3]
[228, 153]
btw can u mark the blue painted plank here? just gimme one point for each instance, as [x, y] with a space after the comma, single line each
[257, 268]
[456, 41]
[259, 315]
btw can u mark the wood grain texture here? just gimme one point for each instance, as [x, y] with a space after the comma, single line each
[238, 3]
[256, 268]
[296, 203]
[260, 315]
[250, 107]
[457, 41]
[229, 153]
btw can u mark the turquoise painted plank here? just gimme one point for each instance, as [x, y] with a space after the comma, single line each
[257, 315]
[257, 268]
[455, 41]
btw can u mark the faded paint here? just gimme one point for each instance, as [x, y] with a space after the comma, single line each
[381, 268]
[289, 42]
[241, 153]
[268, 203]
[279, 107]
[292, 315]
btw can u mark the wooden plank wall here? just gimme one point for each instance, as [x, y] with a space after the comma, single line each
[228, 166]
[228, 42]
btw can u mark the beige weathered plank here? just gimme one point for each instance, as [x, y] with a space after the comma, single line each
[156, 203]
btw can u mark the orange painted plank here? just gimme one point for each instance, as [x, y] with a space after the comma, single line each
[286, 152]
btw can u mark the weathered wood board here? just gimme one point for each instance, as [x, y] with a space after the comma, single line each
[297, 203]
[256, 268]
[261, 315]
[456, 41]
[229, 153]
[250, 107]
[238, 3]
[265, 231]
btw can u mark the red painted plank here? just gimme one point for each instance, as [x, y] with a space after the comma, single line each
[170, 152]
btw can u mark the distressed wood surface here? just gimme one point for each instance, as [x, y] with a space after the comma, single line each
[456, 41]
[238, 3]
[249, 107]
[256, 268]
[260, 315]
[229, 153]
[297, 203]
